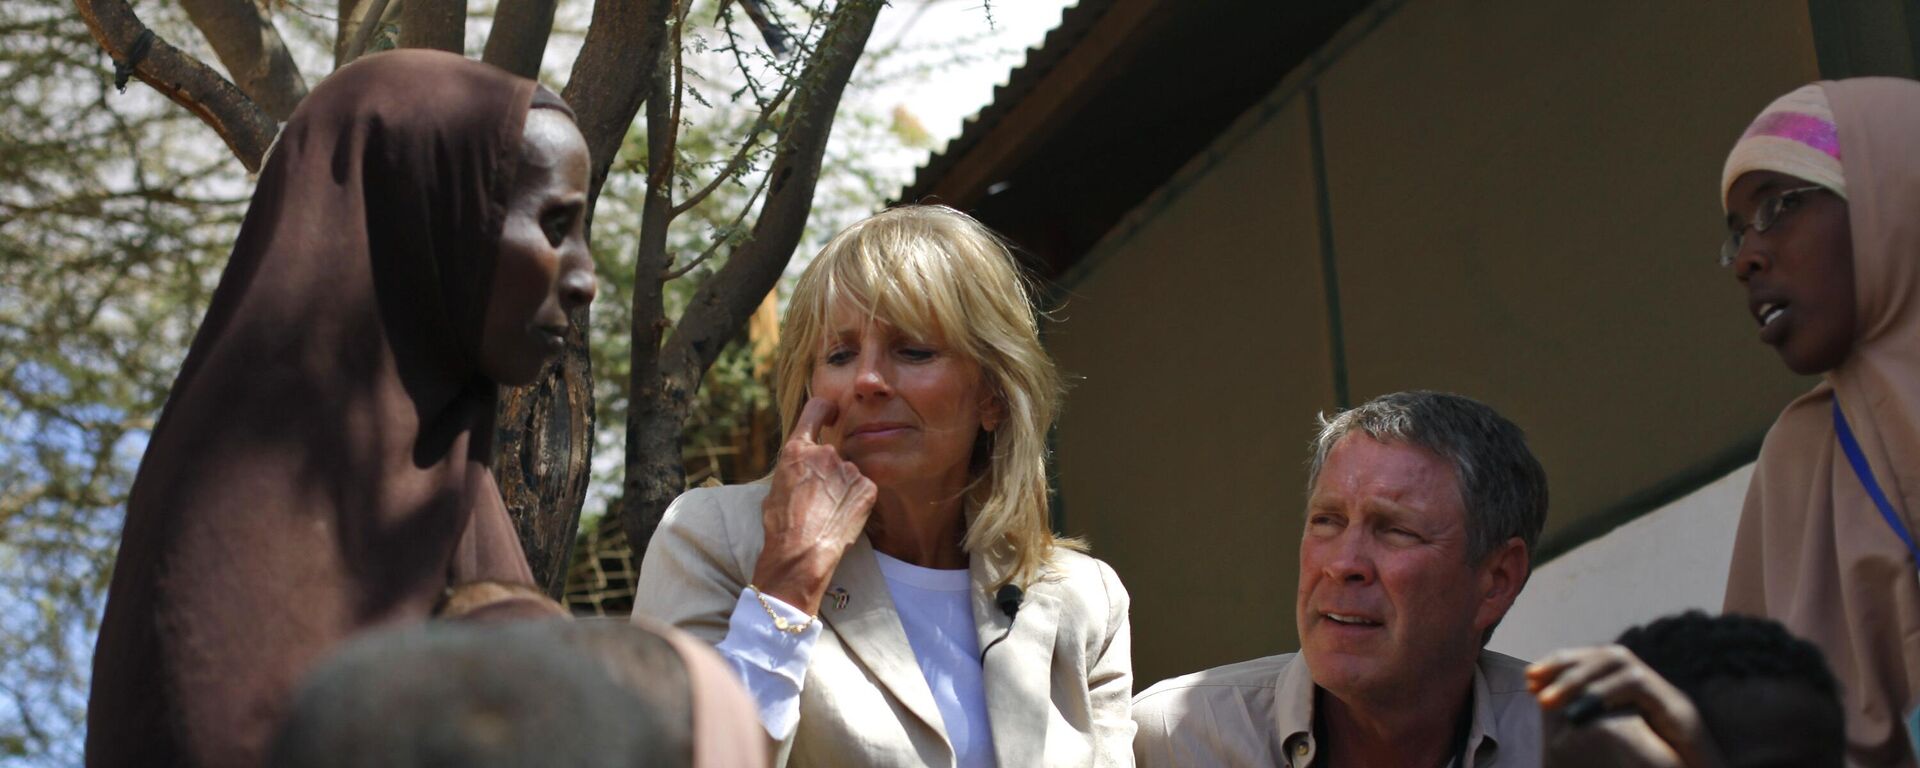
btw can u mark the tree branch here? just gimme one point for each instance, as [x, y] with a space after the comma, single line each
[367, 19]
[89, 203]
[614, 74]
[723, 302]
[661, 185]
[651, 400]
[439, 24]
[345, 24]
[740, 156]
[714, 247]
[770, 29]
[519, 36]
[246, 128]
[252, 51]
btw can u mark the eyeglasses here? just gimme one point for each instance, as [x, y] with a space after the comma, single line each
[1765, 217]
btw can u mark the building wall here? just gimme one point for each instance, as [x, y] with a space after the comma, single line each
[1525, 209]
[1193, 353]
[1667, 561]
[1522, 208]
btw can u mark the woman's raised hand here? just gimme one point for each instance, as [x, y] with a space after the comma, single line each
[818, 506]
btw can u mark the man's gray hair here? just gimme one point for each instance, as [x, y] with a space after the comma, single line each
[1502, 486]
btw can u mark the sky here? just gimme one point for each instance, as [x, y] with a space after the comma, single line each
[973, 44]
[929, 32]
[959, 93]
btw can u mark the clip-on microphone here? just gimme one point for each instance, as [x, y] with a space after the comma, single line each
[1009, 599]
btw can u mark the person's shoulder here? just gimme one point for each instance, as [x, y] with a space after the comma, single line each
[1505, 674]
[715, 511]
[1074, 566]
[738, 495]
[729, 500]
[1515, 725]
[1806, 420]
[1241, 679]
[1227, 715]
[1082, 576]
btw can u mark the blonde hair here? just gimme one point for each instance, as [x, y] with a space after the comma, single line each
[936, 274]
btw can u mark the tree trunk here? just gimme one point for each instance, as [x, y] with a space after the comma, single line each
[609, 81]
[519, 36]
[437, 24]
[659, 476]
[251, 49]
[346, 22]
[542, 458]
[655, 412]
[666, 374]
[612, 76]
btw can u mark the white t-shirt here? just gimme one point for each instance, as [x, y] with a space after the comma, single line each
[936, 611]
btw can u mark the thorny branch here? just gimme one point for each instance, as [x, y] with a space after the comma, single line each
[246, 128]
[747, 147]
[714, 247]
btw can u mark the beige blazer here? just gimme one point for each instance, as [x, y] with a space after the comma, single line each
[1059, 687]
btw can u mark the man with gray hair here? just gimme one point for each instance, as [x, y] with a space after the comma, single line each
[1422, 513]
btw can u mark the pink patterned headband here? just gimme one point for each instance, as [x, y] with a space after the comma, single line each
[1811, 130]
[1794, 135]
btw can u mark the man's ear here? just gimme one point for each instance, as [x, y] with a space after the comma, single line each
[1500, 578]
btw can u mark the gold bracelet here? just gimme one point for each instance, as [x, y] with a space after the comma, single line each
[780, 622]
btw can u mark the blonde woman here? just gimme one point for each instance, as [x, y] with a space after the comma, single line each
[893, 594]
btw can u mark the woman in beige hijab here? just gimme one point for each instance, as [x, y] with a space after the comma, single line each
[1823, 204]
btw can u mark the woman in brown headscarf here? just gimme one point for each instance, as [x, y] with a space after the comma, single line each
[1823, 200]
[321, 466]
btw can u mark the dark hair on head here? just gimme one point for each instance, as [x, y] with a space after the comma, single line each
[1692, 650]
[524, 695]
[1502, 485]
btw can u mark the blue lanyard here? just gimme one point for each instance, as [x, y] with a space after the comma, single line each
[1861, 470]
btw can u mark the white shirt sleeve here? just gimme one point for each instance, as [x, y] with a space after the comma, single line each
[771, 663]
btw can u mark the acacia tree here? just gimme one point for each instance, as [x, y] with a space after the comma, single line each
[103, 261]
[634, 53]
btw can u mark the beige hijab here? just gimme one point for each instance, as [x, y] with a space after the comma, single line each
[1812, 550]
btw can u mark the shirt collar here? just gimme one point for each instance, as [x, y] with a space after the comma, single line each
[1293, 714]
[1480, 735]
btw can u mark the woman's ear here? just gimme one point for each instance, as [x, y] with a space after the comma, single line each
[992, 412]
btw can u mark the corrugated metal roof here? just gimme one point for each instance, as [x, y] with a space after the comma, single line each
[1075, 22]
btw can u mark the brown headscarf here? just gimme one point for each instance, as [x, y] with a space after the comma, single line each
[1812, 550]
[321, 463]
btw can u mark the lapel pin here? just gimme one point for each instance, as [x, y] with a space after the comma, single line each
[839, 596]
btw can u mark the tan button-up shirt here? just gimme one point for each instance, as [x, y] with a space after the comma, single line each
[1260, 713]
